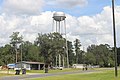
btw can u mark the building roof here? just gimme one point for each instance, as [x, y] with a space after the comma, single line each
[27, 62]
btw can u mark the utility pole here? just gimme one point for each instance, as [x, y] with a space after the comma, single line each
[21, 56]
[114, 35]
[16, 52]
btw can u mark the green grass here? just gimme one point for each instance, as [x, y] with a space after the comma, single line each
[103, 75]
[4, 74]
[53, 71]
[35, 71]
[106, 75]
[64, 70]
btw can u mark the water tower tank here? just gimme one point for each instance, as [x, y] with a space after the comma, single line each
[59, 16]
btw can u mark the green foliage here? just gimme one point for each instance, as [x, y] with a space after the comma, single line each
[47, 46]
[89, 58]
[78, 52]
[15, 38]
[50, 45]
[100, 55]
[71, 54]
[6, 55]
[30, 52]
[118, 55]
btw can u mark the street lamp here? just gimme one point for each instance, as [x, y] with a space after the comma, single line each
[114, 35]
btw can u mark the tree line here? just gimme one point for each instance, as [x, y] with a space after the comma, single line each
[47, 46]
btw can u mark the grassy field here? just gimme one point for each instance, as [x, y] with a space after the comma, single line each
[50, 71]
[12, 72]
[4, 74]
[105, 75]
[53, 71]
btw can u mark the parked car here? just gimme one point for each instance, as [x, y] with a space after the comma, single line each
[60, 68]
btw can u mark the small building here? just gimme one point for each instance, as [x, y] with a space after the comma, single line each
[29, 65]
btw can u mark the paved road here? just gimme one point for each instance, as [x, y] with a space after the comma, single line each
[29, 76]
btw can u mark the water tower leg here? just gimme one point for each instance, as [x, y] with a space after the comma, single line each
[63, 61]
[59, 60]
[56, 26]
[56, 61]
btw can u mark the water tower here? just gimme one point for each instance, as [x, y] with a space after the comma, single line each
[59, 18]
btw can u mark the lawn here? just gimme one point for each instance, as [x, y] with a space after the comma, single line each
[105, 75]
[53, 71]
[12, 72]
[4, 74]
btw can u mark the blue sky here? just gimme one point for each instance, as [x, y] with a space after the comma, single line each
[0, 3]
[93, 7]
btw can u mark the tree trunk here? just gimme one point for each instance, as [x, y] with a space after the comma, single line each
[46, 68]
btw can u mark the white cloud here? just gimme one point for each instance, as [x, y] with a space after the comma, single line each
[72, 3]
[28, 26]
[95, 29]
[23, 6]
[68, 3]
